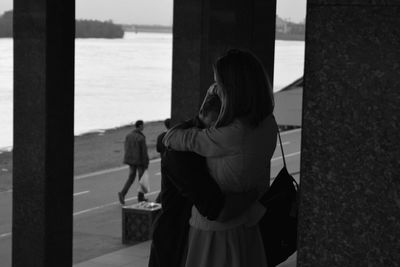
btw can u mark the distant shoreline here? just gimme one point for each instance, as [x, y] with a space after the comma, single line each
[289, 37]
[98, 131]
[90, 132]
[166, 29]
[84, 28]
[278, 37]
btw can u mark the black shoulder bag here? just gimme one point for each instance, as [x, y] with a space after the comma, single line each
[279, 225]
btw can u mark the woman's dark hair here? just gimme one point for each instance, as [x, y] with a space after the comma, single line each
[245, 88]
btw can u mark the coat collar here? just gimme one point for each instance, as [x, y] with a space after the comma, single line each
[138, 131]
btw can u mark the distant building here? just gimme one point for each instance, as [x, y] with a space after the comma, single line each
[295, 28]
[147, 28]
[6, 24]
[281, 25]
[286, 30]
[130, 28]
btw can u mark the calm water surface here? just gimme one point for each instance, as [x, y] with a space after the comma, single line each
[120, 81]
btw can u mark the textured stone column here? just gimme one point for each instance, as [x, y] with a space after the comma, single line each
[205, 29]
[43, 133]
[350, 187]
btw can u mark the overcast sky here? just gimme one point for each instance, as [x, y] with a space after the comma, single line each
[153, 11]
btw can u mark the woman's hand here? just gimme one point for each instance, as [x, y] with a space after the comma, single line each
[213, 89]
[211, 92]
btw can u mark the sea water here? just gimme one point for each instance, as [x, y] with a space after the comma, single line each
[118, 81]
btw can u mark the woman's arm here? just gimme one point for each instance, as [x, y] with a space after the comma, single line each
[211, 142]
[208, 142]
[188, 172]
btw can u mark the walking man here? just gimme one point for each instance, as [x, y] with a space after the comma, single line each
[136, 157]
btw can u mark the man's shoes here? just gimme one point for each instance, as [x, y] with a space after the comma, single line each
[141, 198]
[121, 198]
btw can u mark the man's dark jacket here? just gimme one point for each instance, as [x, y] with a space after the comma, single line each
[160, 146]
[185, 183]
[136, 149]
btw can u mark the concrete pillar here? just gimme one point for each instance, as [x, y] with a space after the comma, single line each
[203, 30]
[43, 132]
[350, 189]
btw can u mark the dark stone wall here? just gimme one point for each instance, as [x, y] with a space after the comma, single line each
[350, 187]
[203, 30]
[43, 133]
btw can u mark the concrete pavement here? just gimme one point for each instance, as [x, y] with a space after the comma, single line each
[138, 256]
[97, 213]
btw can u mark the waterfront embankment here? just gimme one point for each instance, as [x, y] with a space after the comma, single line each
[94, 151]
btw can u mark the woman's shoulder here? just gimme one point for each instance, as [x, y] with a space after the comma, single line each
[268, 122]
[269, 126]
[235, 129]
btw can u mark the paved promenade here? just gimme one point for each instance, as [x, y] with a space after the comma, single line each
[133, 256]
[138, 256]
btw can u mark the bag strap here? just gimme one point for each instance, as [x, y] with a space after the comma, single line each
[283, 154]
[284, 161]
